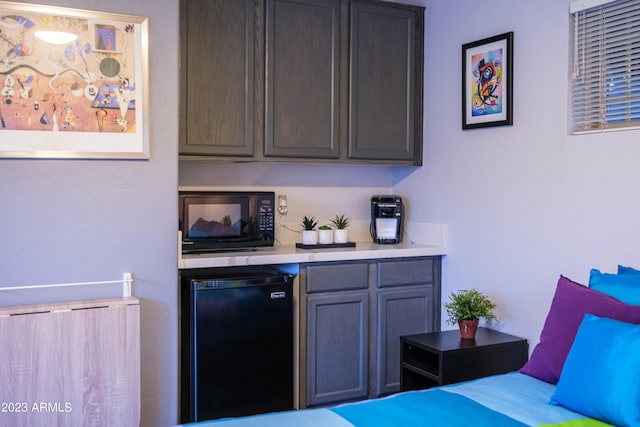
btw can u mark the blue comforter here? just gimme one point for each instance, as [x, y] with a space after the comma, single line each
[506, 400]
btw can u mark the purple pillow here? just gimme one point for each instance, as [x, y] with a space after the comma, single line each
[570, 303]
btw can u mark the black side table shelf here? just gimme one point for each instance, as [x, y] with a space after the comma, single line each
[439, 358]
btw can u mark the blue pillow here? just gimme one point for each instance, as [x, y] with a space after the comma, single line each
[627, 270]
[624, 287]
[602, 371]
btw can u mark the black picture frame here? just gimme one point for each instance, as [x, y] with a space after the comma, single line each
[487, 82]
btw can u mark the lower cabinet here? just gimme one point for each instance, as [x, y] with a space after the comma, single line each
[338, 348]
[399, 311]
[352, 316]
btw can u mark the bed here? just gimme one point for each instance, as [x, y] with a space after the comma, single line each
[585, 371]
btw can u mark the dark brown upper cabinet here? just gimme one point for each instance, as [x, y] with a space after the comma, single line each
[330, 81]
[221, 85]
[303, 81]
[385, 85]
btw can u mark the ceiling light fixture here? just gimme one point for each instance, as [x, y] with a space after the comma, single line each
[56, 37]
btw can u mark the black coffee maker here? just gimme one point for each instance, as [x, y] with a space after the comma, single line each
[386, 219]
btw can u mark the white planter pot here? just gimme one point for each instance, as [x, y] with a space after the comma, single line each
[309, 237]
[325, 237]
[341, 236]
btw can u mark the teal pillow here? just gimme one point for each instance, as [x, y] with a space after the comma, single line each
[601, 374]
[627, 270]
[624, 287]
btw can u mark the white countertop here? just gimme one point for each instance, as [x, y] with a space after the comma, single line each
[289, 254]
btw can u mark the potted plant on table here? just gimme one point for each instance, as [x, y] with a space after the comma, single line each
[466, 308]
[325, 235]
[309, 232]
[340, 234]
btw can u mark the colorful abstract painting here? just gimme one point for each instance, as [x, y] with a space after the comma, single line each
[487, 80]
[88, 82]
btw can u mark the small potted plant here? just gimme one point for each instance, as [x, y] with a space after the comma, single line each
[466, 307]
[309, 232]
[340, 234]
[325, 235]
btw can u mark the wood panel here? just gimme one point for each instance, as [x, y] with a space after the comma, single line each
[336, 276]
[385, 107]
[70, 364]
[337, 357]
[406, 271]
[219, 90]
[302, 78]
[400, 312]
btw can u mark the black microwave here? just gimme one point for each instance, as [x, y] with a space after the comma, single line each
[215, 221]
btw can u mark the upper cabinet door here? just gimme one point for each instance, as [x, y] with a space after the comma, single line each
[220, 94]
[385, 104]
[326, 81]
[302, 89]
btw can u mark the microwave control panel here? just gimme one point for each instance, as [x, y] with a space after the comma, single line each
[266, 218]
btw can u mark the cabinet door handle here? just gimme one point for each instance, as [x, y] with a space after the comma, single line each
[278, 295]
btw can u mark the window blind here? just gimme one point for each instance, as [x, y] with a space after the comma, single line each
[605, 90]
[579, 5]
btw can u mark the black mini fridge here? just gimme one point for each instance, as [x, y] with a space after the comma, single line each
[237, 343]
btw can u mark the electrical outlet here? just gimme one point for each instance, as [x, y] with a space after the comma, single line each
[282, 204]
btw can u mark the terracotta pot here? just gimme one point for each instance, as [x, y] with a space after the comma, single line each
[468, 328]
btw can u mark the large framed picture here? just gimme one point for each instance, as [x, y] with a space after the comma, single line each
[487, 82]
[73, 83]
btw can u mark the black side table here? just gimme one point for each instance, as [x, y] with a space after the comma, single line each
[439, 358]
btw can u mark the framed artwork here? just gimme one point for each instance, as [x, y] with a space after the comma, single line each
[73, 83]
[487, 82]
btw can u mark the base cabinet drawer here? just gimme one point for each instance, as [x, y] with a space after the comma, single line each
[406, 272]
[336, 276]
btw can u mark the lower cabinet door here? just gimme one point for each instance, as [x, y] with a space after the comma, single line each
[337, 347]
[400, 312]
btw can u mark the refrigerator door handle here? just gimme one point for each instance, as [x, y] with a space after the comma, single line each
[238, 282]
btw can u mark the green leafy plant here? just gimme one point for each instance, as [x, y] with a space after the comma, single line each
[324, 227]
[309, 223]
[469, 304]
[340, 221]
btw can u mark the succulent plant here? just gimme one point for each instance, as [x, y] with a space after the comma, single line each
[340, 221]
[309, 223]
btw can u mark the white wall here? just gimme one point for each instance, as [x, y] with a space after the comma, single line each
[67, 221]
[524, 203]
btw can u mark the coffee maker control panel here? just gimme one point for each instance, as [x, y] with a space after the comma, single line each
[387, 216]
